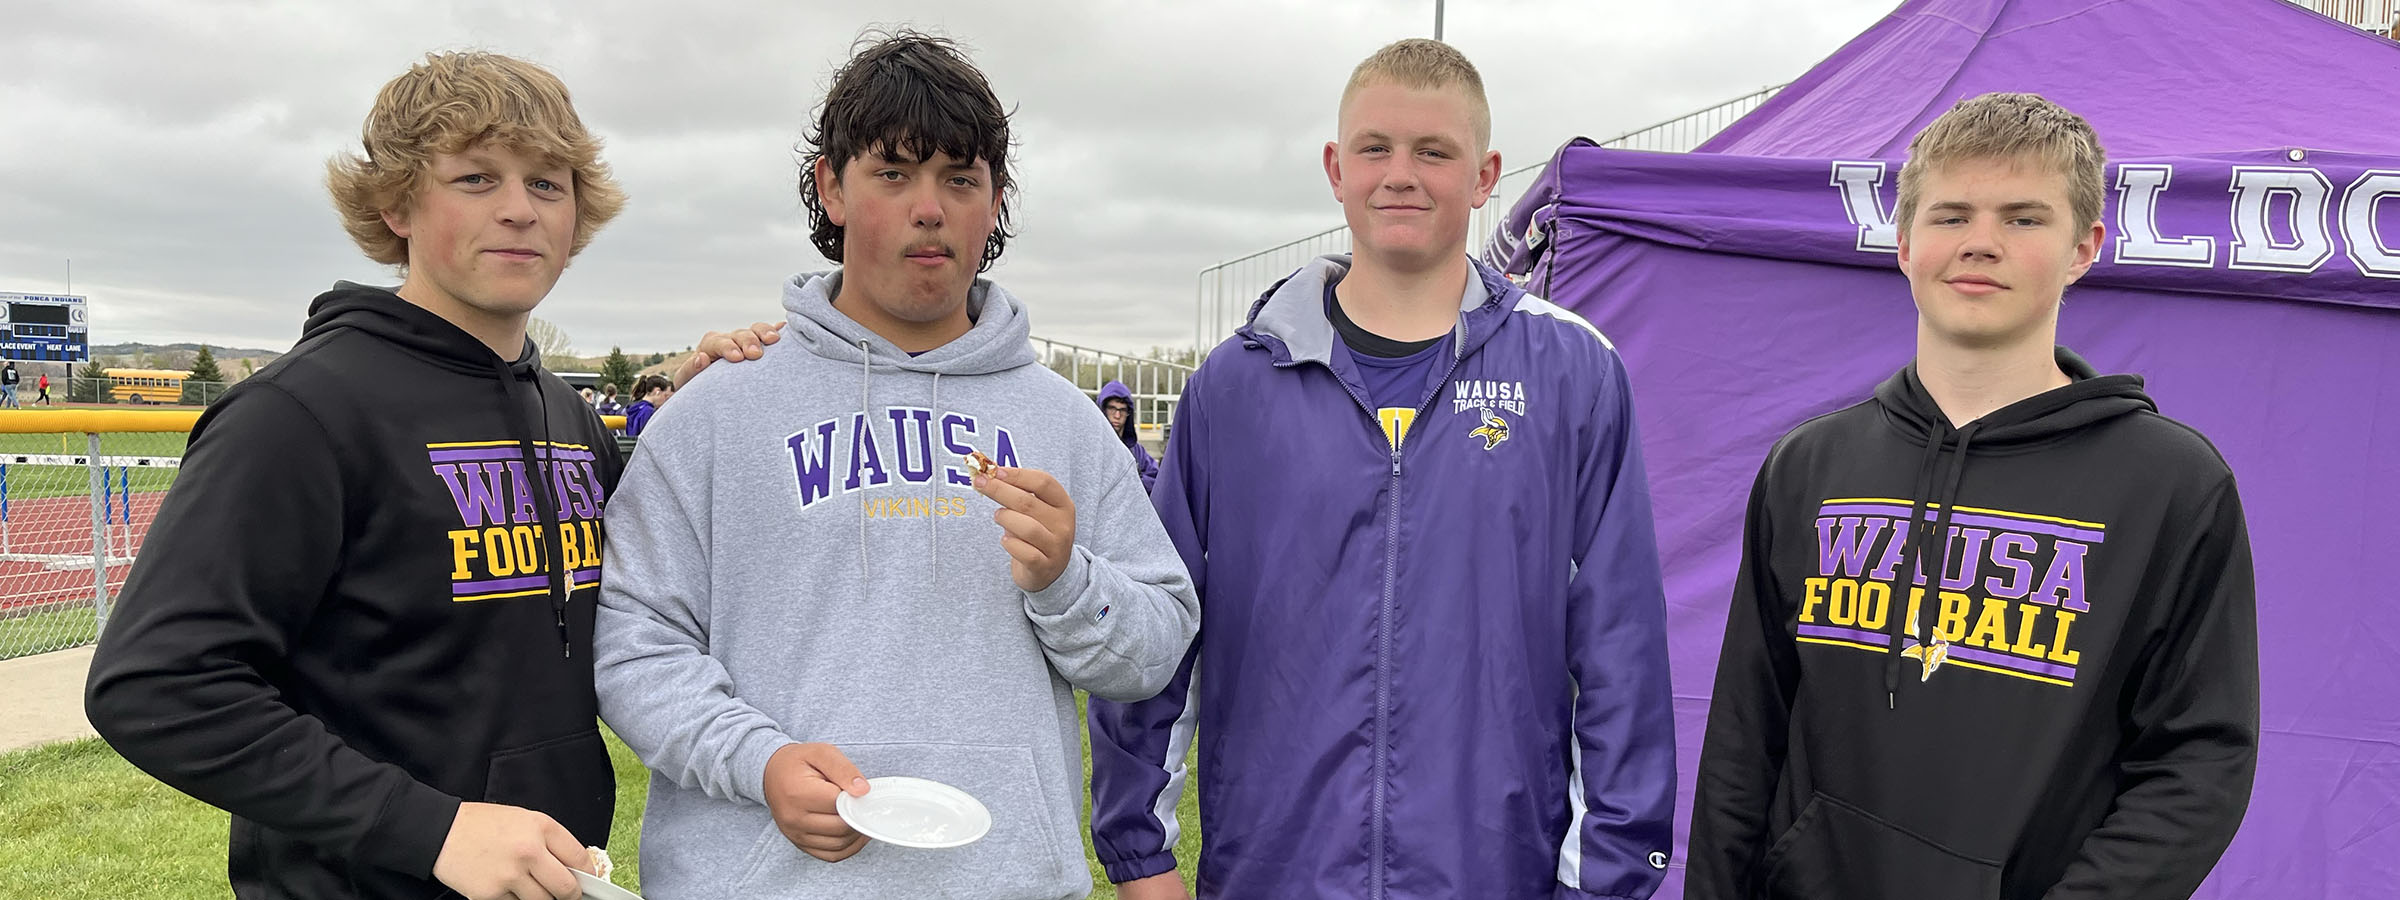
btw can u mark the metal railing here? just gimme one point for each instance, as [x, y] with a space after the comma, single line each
[2379, 16]
[1157, 384]
[1226, 290]
[78, 490]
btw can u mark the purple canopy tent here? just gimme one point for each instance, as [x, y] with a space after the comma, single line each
[2252, 273]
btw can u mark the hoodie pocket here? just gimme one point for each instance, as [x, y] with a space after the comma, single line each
[568, 778]
[1022, 856]
[1835, 850]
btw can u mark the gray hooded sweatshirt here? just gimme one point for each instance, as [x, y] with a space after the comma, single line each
[796, 555]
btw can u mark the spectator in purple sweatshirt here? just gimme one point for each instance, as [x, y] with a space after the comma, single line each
[651, 392]
[1116, 402]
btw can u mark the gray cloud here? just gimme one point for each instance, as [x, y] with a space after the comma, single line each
[175, 150]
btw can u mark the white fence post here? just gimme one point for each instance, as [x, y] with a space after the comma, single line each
[99, 533]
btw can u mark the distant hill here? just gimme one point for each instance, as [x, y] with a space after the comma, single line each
[221, 351]
[137, 355]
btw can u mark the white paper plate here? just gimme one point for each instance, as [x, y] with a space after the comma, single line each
[914, 812]
[596, 889]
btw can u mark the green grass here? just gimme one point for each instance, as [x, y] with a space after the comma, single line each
[82, 824]
[36, 482]
[42, 632]
[625, 832]
[131, 443]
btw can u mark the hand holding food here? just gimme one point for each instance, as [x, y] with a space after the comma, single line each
[1037, 520]
[495, 852]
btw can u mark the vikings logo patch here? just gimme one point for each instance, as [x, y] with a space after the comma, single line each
[1929, 657]
[1493, 431]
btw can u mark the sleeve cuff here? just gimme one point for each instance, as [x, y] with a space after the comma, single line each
[1139, 867]
[1061, 595]
[408, 835]
[749, 762]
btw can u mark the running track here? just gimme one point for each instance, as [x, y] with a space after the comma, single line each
[63, 525]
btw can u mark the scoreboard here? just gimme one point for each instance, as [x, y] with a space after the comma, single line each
[44, 327]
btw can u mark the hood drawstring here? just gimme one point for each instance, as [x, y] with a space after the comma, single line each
[1912, 545]
[2088, 399]
[865, 371]
[1919, 531]
[934, 521]
[865, 413]
[548, 529]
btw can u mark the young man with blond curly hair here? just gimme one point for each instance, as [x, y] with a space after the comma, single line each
[362, 621]
[2046, 582]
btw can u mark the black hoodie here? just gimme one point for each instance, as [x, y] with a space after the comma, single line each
[349, 616]
[2084, 726]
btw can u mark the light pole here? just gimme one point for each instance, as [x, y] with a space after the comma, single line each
[1437, 19]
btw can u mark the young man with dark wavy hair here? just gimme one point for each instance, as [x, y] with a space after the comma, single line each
[805, 592]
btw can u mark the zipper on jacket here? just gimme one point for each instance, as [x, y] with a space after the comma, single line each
[1380, 814]
[1383, 684]
[1377, 814]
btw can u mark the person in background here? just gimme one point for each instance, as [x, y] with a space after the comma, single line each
[1116, 402]
[651, 392]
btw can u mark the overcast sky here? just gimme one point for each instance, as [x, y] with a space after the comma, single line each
[175, 150]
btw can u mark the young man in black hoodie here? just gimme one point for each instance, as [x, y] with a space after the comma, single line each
[362, 620]
[2065, 644]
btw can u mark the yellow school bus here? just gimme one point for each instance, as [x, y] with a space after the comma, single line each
[147, 385]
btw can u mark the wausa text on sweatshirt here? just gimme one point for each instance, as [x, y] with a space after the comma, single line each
[500, 549]
[894, 445]
[2007, 604]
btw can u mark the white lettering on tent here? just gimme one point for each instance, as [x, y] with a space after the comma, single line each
[2255, 188]
[2138, 243]
[2375, 257]
[1864, 206]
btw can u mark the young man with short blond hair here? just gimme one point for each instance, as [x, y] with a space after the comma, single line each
[2046, 582]
[1434, 660]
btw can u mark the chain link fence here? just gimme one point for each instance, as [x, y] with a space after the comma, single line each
[128, 390]
[74, 507]
[79, 488]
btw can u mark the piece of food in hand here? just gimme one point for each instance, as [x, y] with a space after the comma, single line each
[600, 864]
[981, 464]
